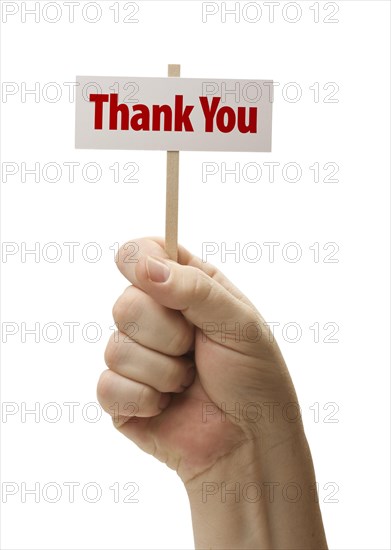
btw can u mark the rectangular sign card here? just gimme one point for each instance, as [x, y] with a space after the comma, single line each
[173, 114]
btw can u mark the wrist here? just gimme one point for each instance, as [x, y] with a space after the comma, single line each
[263, 495]
[224, 511]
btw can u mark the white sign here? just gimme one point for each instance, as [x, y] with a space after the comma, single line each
[173, 114]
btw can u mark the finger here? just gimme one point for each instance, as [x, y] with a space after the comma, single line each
[131, 252]
[120, 396]
[222, 316]
[162, 372]
[154, 326]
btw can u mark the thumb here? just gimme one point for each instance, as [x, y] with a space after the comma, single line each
[201, 299]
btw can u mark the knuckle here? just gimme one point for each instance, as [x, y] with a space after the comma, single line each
[201, 288]
[112, 354]
[146, 397]
[104, 387]
[179, 342]
[119, 309]
[129, 305]
[171, 379]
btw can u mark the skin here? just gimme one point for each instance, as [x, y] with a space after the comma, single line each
[196, 379]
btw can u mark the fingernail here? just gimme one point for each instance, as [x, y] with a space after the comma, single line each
[158, 272]
[189, 378]
[164, 401]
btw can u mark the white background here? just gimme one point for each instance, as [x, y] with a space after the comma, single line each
[352, 374]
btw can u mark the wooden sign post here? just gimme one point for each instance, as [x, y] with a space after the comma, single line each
[172, 188]
[173, 114]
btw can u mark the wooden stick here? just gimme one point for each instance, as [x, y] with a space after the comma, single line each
[171, 244]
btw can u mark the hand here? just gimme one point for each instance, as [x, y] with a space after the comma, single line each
[191, 364]
[185, 384]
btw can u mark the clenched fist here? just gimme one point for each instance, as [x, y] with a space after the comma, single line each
[191, 354]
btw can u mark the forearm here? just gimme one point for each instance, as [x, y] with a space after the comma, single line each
[263, 496]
